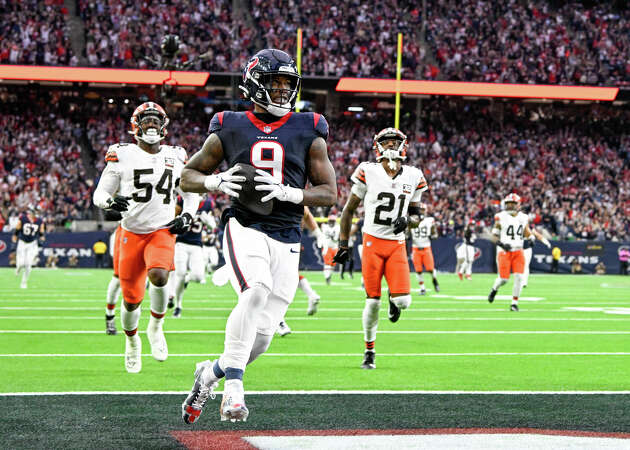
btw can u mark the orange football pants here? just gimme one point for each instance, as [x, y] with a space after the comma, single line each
[423, 258]
[138, 254]
[329, 255]
[510, 261]
[388, 258]
[117, 242]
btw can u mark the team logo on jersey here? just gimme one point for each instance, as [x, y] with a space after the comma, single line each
[267, 129]
[169, 162]
[3, 246]
[406, 189]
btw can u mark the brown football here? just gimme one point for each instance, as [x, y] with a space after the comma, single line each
[249, 197]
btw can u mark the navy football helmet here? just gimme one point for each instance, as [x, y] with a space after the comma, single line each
[257, 80]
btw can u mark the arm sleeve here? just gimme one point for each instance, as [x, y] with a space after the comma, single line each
[359, 181]
[191, 202]
[420, 188]
[321, 126]
[107, 186]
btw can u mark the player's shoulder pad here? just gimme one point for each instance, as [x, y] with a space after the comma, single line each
[320, 124]
[117, 151]
[217, 121]
[359, 174]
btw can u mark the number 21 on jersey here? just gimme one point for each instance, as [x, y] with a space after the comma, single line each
[268, 155]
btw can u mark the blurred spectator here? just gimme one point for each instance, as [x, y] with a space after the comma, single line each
[555, 259]
[100, 249]
[600, 268]
[624, 258]
[576, 267]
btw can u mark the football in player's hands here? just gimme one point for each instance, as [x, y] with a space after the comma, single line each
[342, 255]
[400, 225]
[249, 197]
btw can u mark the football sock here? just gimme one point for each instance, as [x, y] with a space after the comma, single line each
[402, 301]
[370, 318]
[369, 346]
[113, 291]
[26, 273]
[327, 271]
[420, 278]
[306, 287]
[110, 312]
[240, 330]
[233, 374]
[178, 288]
[159, 298]
[261, 344]
[518, 283]
[514, 300]
[498, 283]
[129, 319]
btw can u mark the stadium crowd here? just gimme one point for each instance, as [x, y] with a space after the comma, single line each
[474, 40]
[571, 164]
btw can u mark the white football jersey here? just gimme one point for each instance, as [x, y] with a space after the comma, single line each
[150, 180]
[512, 228]
[331, 235]
[421, 236]
[385, 198]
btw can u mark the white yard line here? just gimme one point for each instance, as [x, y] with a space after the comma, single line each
[322, 392]
[320, 318]
[565, 332]
[310, 355]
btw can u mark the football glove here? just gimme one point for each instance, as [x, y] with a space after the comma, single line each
[180, 224]
[282, 192]
[320, 239]
[118, 203]
[342, 255]
[505, 246]
[400, 225]
[225, 182]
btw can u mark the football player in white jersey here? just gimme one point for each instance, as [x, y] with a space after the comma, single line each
[113, 288]
[388, 190]
[139, 181]
[510, 229]
[422, 255]
[330, 230]
[465, 252]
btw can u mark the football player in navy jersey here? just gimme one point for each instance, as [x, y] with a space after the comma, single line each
[262, 251]
[189, 261]
[28, 231]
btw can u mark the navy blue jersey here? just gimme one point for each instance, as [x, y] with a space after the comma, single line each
[281, 148]
[30, 228]
[193, 237]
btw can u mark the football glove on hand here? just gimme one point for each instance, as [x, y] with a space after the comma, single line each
[342, 255]
[180, 224]
[504, 246]
[225, 182]
[400, 225]
[282, 192]
[118, 203]
[319, 238]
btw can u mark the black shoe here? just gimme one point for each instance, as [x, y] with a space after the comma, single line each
[368, 360]
[177, 313]
[514, 307]
[170, 302]
[199, 394]
[394, 312]
[186, 284]
[436, 285]
[493, 294]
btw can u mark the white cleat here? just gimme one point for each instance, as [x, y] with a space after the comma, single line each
[133, 354]
[283, 329]
[23, 285]
[312, 306]
[159, 349]
[233, 403]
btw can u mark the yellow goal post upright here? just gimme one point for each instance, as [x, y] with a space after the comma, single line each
[398, 66]
[298, 60]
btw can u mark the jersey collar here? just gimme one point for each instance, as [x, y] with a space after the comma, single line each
[267, 128]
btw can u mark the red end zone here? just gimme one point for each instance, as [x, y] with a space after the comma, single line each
[232, 440]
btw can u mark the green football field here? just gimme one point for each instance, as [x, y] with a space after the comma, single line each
[571, 334]
[453, 362]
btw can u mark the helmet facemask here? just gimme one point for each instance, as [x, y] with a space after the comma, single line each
[141, 115]
[266, 92]
[396, 153]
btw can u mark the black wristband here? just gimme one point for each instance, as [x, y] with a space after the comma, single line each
[343, 243]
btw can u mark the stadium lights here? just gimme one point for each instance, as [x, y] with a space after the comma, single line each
[92, 75]
[355, 108]
[462, 88]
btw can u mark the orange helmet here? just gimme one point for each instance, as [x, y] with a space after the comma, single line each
[148, 109]
[399, 152]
